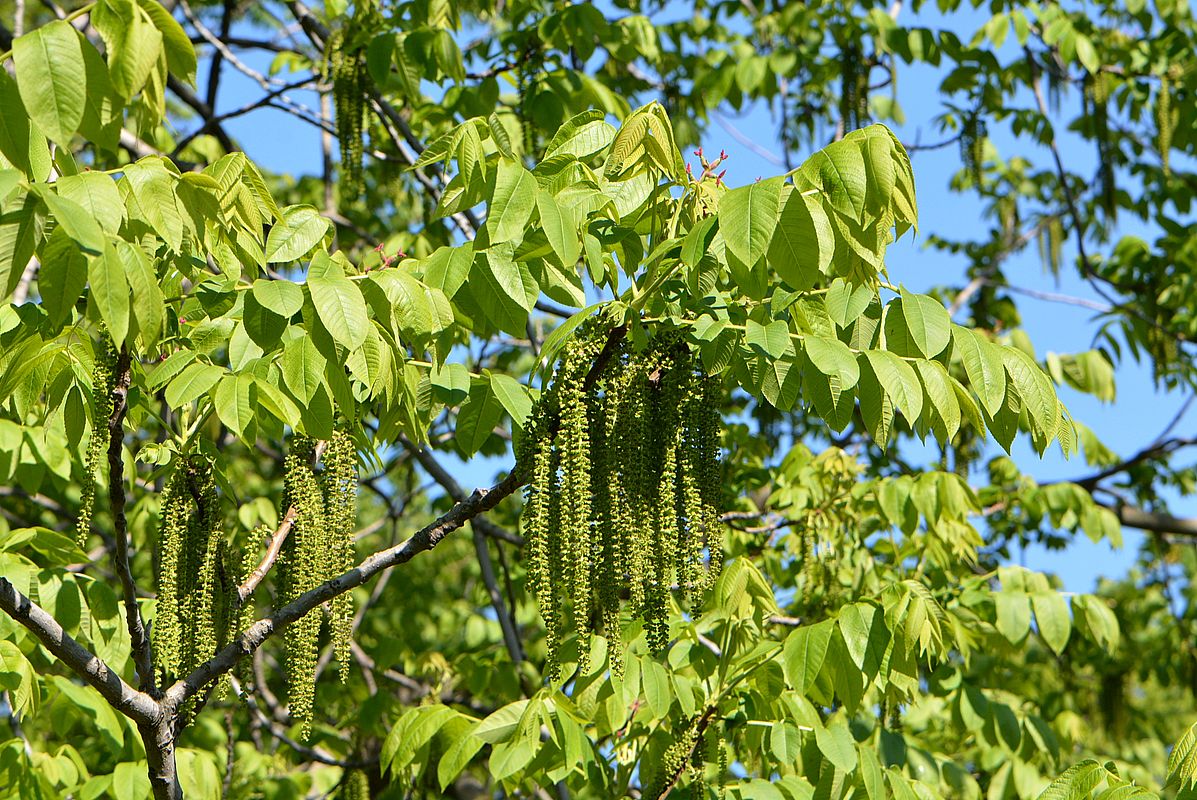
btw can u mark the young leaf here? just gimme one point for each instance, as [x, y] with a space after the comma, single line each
[983, 365]
[52, 79]
[293, 237]
[110, 291]
[748, 217]
[341, 308]
[928, 323]
[512, 203]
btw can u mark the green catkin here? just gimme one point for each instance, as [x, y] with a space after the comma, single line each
[173, 514]
[633, 417]
[666, 526]
[355, 785]
[100, 412]
[345, 67]
[576, 502]
[301, 567]
[339, 483]
[196, 590]
[1163, 119]
[624, 483]
[676, 758]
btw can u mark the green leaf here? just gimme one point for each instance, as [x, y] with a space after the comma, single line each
[562, 226]
[180, 54]
[508, 758]
[294, 236]
[1182, 762]
[19, 140]
[477, 418]
[836, 743]
[52, 79]
[78, 223]
[1013, 615]
[804, 652]
[192, 383]
[928, 323]
[1035, 390]
[748, 218]
[169, 368]
[506, 290]
[657, 692]
[899, 381]
[132, 42]
[17, 676]
[415, 730]
[149, 305]
[303, 368]
[582, 135]
[1077, 782]
[845, 303]
[282, 297]
[235, 400]
[983, 365]
[511, 206]
[154, 191]
[502, 724]
[772, 340]
[1052, 619]
[513, 396]
[131, 781]
[20, 230]
[803, 243]
[62, 277]
[832, 357]
[110, 291]
[95, 193]
[341, 308]
[457, 758]
[938, 390]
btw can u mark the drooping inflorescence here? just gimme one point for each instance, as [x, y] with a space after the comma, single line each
[197, 588]
[319, 547]
[100, 411]
[622, 456]
[345, 67]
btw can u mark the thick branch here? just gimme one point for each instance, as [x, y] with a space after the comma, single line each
[1152, 521]
[481, 501]
[138, 706]
[143, 657]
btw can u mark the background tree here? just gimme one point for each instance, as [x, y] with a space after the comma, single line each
[511, 271]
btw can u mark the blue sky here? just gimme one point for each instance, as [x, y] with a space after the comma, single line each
[283, 144]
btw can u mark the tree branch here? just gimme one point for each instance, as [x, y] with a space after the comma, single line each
[138, 706]
[481, 501]
[143, 657]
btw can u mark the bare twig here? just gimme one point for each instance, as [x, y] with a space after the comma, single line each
[275, 546]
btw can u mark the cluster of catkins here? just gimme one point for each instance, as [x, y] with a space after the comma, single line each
[319, 548]
[197, 583]
[345, 66]
[622, 453]
[102, 377]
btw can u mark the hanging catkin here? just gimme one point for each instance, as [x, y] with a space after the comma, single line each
[623, 463]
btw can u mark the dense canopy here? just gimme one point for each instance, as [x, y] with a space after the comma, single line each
[750, 522]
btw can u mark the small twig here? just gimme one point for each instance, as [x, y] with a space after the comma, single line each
[246, 589]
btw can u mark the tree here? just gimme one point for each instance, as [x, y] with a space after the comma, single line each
[714, 558]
